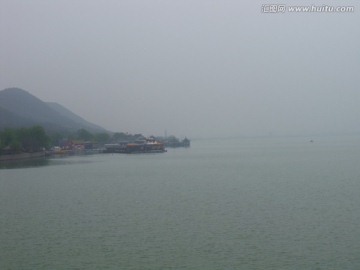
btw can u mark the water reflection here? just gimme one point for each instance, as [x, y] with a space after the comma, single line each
[29, 163]
[68, 160]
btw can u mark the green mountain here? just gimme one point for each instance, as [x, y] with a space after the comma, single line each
[74, 117]
[18, 108]
[11, 120]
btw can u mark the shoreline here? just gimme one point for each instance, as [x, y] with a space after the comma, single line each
[22, 156]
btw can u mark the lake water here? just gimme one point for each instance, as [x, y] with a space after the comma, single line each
[283, 203]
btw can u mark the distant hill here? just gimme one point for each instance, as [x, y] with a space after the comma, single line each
[11, 120]
[18, 108]
[74, 117]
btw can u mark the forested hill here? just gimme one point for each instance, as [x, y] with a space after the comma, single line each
[18, 108]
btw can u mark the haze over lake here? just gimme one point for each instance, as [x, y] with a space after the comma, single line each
[202, 68]
[280, 190]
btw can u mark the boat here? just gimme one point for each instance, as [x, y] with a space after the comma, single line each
[140, 146]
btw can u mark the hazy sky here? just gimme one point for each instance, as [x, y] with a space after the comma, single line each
[201, 68]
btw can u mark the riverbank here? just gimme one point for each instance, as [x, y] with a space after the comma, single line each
[22, 156]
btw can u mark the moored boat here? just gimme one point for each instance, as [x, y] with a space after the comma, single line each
[141, 146]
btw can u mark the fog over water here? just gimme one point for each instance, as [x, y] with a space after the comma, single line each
[198, 68]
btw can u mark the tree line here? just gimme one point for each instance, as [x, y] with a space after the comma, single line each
[99, 138]
[33, 139]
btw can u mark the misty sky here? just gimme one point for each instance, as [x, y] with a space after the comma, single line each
[199, 68]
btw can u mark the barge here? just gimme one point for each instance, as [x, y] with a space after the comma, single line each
[143, 146]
